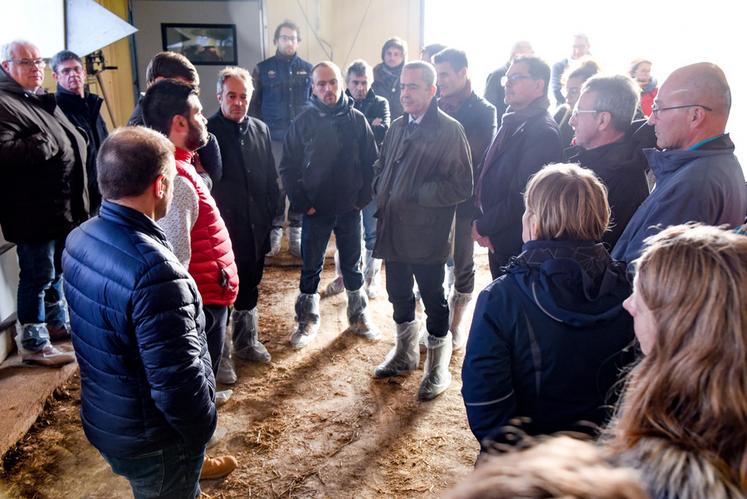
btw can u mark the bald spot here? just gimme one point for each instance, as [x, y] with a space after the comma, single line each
[702, 83]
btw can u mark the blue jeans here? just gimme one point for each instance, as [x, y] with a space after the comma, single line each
[172, 472]
[315, 234]
[40, 295]
[369, 225]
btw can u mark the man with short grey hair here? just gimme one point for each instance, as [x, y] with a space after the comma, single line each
[43, 196]
[424, 172]
[607, 143]
[246, 195]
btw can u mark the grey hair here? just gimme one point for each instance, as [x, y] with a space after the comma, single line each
[616, 94]
[426, 68]
[359, 67]
[6, 52]
[235, 72]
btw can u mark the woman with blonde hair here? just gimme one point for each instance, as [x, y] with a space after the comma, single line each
[682, 420]
[548, 338]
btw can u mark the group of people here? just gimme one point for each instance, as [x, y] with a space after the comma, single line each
[411, 167]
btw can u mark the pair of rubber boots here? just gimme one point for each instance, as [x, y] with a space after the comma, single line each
[405, 355]
[371, 277]
[244, 343]
[308, 317]
[294, 241]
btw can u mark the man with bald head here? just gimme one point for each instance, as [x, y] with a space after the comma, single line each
[698, 178]
[327, 169]
[43, 196]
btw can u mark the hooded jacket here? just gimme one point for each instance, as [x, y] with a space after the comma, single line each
[139, 337]
[703, 185]
[548, 341]
[43, 186]
[328, 158]
[386, 85]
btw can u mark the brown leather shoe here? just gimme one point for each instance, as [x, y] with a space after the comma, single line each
[57, 333]
[48, 356]
[217, 467]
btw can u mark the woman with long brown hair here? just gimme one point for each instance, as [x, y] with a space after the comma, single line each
[682, 420]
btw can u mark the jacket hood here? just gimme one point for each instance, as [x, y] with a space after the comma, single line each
[572, 282]
[668, 161]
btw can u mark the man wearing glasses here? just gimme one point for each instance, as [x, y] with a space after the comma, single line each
[609, 143]
[43, 196]
[527, 139]
[282, 88]
[698, 178]
[82, 108]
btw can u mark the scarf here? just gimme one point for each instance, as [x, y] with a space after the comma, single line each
[451, 104]
[510, 123]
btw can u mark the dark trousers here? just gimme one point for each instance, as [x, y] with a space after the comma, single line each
[172, 472]
[464, 249]
[216, 320]
[400, 278]
[497, 262]
[315, 234]
[294, 218]
[250, 275]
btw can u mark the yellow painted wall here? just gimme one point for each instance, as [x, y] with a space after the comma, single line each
[118, 84]
[338, 21]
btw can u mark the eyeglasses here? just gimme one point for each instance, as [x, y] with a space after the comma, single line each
[576, 112]
[656, 110]
[286, 38]
[513, 79]
[39, 63]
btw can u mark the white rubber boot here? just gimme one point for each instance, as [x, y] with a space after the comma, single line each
[358, 318]
[404, 356]
[276, 235]
[436, 375]
[457, 306]
[307, 320]
[226, 374]
[337, 286]
[372, 275]
[294, 241]
[246, 344]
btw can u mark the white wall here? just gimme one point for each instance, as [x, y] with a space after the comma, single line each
[245, 14]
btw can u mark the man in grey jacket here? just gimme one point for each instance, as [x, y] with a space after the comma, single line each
[424, 172]
[698, 178]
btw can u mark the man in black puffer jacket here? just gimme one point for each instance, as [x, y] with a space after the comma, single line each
[43, 195]
[147, 388]
[327, 170]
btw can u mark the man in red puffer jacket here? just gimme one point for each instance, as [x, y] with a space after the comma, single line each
[193, 224]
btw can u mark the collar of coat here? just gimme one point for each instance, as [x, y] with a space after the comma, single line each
[430, 118]
[671, 160]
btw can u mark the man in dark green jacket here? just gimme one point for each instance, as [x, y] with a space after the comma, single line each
[424, 172]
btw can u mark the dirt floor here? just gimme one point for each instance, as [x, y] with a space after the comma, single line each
[313, 423]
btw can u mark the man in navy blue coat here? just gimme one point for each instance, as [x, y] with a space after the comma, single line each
[147, 388]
